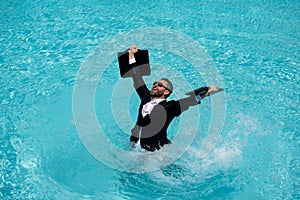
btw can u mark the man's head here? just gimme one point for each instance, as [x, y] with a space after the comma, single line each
[162, 88]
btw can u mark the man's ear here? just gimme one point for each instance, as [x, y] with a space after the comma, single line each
[166, 92]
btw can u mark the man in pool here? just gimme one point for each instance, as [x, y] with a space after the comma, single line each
[155, 112]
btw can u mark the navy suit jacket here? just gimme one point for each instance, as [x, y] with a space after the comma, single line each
[154, 125]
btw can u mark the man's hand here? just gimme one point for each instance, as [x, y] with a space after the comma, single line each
[133, 49]
[212, 90]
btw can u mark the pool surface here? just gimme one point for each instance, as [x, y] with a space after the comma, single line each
[66, 115]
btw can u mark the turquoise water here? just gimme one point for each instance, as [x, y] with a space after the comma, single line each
[251, 49]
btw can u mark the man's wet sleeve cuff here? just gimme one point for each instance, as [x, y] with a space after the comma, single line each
[198, 98]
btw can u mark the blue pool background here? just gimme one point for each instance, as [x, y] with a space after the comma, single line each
[255, 47]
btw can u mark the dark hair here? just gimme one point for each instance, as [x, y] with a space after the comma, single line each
[169, 86]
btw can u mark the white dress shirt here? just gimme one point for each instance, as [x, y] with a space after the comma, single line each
[148, 107]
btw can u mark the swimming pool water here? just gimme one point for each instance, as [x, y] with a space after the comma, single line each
[254, 47]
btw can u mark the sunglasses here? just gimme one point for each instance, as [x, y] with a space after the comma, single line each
[160, 85]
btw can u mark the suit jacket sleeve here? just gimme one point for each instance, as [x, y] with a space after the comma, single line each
[177, 107]
[139, 84]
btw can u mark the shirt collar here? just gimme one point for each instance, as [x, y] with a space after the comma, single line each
[157, 101]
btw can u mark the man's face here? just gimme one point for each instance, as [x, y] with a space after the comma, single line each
[159, 89]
